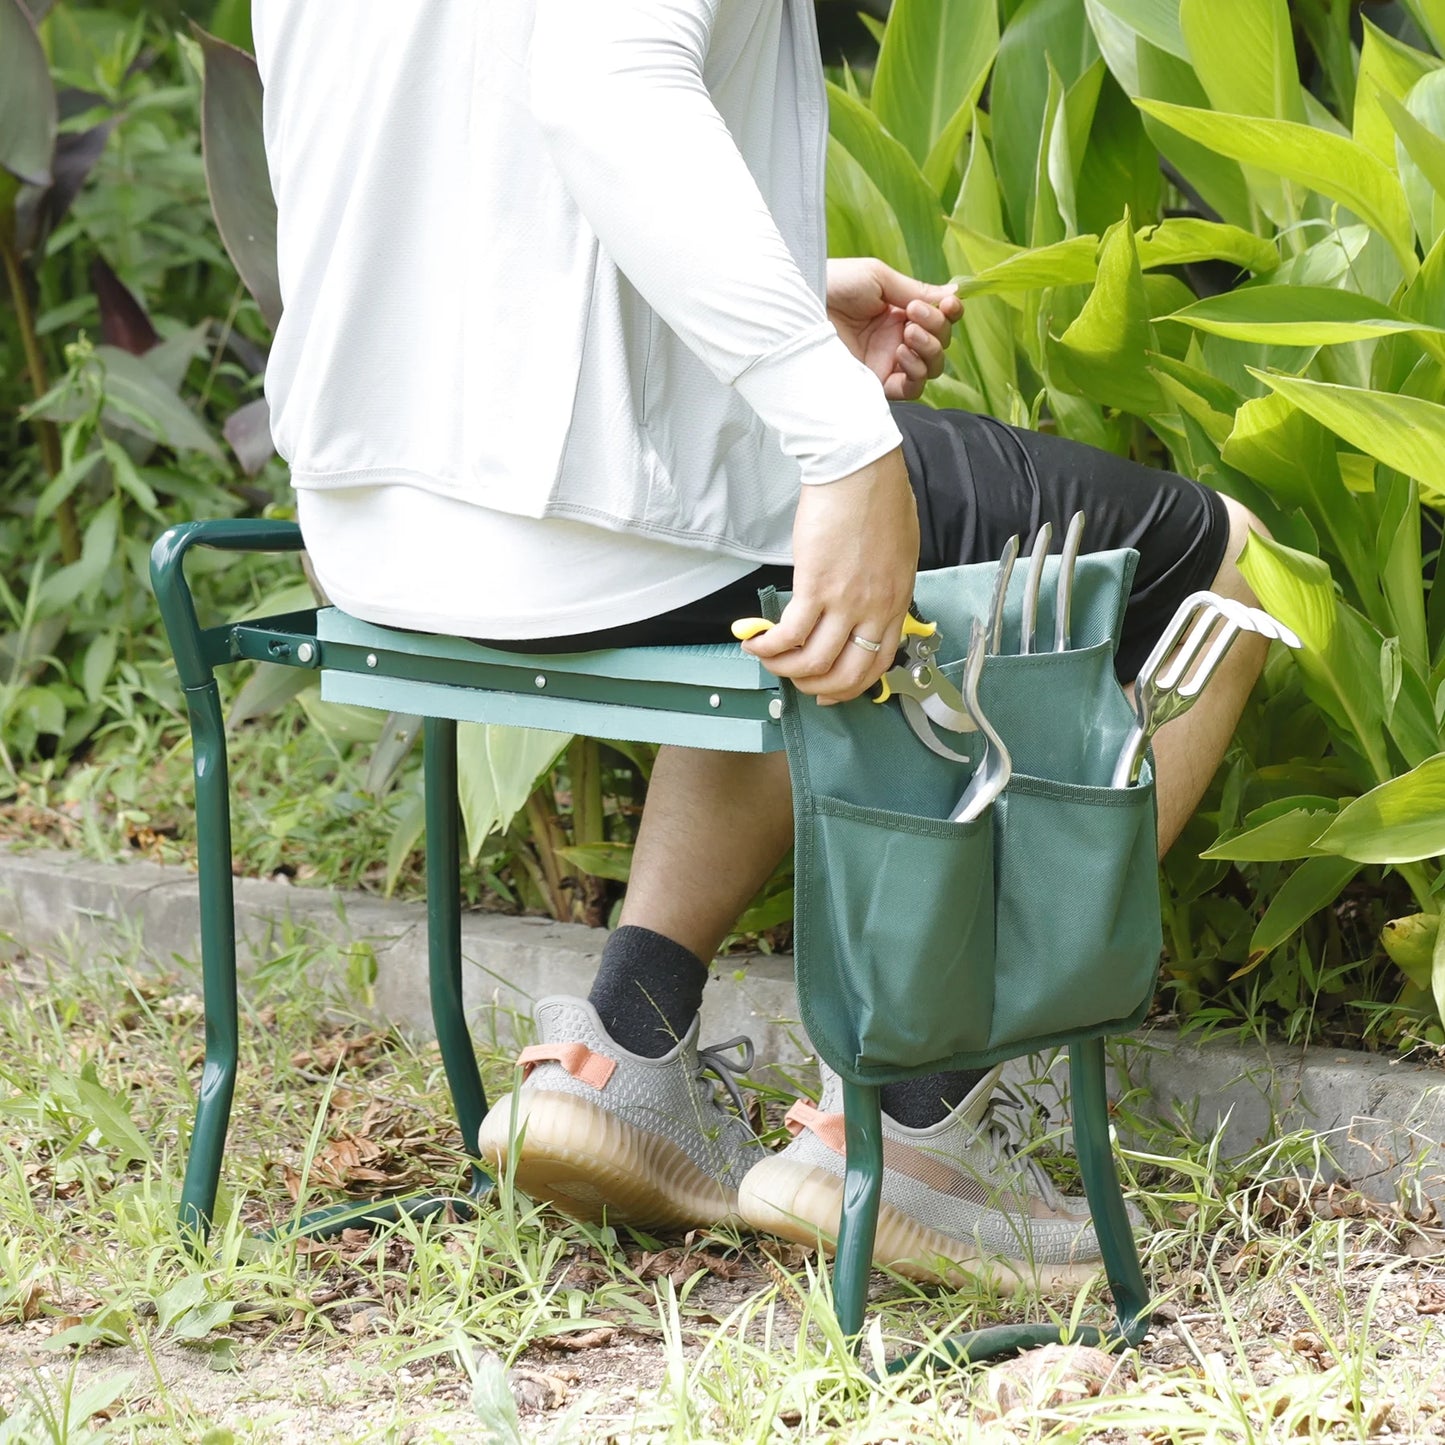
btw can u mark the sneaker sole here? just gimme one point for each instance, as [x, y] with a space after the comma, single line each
[804, 1204]
[592, 1165]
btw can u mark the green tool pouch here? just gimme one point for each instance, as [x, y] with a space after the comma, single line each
[923, 944]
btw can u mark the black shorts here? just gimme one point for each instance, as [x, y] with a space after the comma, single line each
[977, 482]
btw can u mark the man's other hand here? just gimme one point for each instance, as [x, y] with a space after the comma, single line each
[897, 327]
[855, 554]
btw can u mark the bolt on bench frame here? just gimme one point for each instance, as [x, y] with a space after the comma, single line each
[706, 697]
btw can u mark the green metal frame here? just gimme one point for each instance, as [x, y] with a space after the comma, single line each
[703, 697]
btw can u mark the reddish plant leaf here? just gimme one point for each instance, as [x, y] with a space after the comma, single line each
[234, 149]
[123, 321]
[248, 429]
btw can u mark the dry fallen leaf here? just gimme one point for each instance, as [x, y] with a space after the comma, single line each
[1047, 1377]
[575, 1340]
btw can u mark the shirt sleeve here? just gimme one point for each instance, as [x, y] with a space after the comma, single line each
[618, 89]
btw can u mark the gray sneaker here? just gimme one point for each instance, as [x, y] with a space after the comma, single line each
[601, 1131]
[959, 1200]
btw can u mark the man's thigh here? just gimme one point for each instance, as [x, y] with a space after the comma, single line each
[979, 481]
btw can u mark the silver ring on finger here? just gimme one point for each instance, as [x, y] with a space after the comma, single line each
[860, 641]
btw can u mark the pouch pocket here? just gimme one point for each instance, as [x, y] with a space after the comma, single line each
[1078, 907]
[895, 915]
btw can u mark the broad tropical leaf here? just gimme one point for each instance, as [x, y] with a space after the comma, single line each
[1298, 316]
[1105, 351]
[1398, 822]
[1333, 165]
[497, 769]
[933, 62]
[897, 179]
[1402, 431]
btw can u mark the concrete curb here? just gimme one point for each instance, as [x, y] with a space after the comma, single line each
[1381, 1122]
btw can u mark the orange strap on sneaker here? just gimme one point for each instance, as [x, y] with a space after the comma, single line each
[828, 1127]
[586, 1067]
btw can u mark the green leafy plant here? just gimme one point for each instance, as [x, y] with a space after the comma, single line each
[1171, 247]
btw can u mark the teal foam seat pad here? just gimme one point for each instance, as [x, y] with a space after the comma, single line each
[711, 695]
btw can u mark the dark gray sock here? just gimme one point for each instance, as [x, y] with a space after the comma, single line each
[647, 991]
[930, 1098]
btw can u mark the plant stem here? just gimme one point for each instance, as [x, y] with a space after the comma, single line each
[45, 431]
[546, 839]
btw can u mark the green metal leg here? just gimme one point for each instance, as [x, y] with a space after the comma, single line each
[444, 936]
[218, 961]
[1090, 1105]
[862, 1189]
[1090, 1102]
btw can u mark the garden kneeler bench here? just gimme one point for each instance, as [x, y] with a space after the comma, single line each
[712, 696]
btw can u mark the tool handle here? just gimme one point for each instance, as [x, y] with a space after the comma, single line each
[747, 628]
[1126, 770]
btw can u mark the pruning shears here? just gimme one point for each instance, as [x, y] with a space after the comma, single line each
[928, 699]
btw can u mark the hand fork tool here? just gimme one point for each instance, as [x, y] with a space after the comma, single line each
[1171, 681]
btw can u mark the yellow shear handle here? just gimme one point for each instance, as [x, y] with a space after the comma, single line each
[746, 628]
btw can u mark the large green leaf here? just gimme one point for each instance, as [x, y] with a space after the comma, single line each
[1181, 240]
[1157, 21]
[1314, 885]
[1218, 180]
[1398, 822]
[1404, 432]
[1299, 316]
[1419, 124]
[860, 220]
[1066, 263]
[896, 176]
[1430, 15]
[137, 400]
[1041, 32]
[27, 103]
[1119, 170]
[233, 145]
[935, 57]
[1391, 67]
[497, 769]
[1333, 165]
[1243, 54]
[1340, 655]
[987, 331]
[1105, 352]
[1290, 835]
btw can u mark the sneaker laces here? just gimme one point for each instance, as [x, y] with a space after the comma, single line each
[1007, 1129]
[711, 1061]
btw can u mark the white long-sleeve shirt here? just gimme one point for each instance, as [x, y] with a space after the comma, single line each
[561, 260]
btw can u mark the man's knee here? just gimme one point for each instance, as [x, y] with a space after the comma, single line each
[1229, 581]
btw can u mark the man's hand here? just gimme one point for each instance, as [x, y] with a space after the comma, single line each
[897, 327]
[855, 554]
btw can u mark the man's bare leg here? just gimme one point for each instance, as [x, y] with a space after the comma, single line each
[717, 824]
[1188, 751]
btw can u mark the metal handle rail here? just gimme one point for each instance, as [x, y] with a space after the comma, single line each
[291, 640]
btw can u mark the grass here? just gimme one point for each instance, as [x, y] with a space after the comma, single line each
[1287, 1310]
